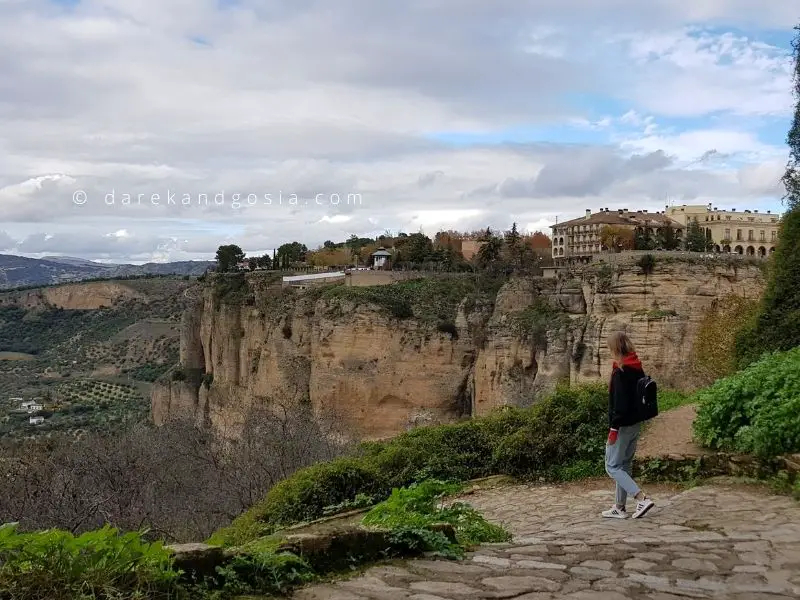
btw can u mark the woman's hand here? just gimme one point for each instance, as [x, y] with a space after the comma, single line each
[612, 437]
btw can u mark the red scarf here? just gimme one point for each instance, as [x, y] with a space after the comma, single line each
[630, 360]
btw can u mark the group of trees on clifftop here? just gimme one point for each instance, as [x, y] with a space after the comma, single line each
[445, 251]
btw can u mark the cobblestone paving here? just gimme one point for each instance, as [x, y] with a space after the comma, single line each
[707, 542]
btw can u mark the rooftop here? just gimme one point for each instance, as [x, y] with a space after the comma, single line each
[621, 217]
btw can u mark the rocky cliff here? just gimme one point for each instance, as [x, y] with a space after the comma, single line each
[383, 373]
[76, 296]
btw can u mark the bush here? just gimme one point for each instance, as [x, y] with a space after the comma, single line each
[647, 263]
[567, 427]
[713, 354]
[755, 411]
[57, 565]
[448, 327]
[413, 511]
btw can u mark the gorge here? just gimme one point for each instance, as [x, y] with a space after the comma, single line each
[417, 353]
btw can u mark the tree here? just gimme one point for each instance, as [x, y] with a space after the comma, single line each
[252, 263]
[791, 178]
[539, 241]
[695, 238]
[416, 248]
[614, 237]
[265, 262]
[228, 257]
[490, 252]
[289, 254]
[667, 238]
[777, 326]
[644, 239]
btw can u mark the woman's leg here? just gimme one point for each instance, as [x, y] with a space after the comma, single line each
[617, 455]
[628, 454]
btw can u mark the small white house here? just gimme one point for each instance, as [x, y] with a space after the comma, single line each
[35, 407]
[379, 257]
[36, 420]
[27, 404]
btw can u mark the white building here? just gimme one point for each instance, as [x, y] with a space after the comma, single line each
[34, 407]
[36, 420]
[379, 257]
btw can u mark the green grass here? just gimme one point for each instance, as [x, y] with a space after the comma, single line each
[671, 399]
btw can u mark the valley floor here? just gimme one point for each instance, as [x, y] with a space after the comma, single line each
[714, 541]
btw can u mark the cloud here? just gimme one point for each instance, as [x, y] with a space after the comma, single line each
[283, 98]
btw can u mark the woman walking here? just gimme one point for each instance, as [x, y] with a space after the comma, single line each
[624, 427]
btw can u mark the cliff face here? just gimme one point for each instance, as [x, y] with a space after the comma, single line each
[383, 375]
[78, 296]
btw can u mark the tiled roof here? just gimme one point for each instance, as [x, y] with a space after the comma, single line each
[613, 217]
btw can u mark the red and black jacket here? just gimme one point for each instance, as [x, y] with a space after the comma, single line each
[622, 392]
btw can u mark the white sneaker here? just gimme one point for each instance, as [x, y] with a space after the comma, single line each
[615, 513]
[642, 507]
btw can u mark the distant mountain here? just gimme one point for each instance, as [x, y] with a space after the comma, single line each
[19, 271]
[72, 261]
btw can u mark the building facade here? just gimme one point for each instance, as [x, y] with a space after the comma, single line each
[730, 231]
[579, 240]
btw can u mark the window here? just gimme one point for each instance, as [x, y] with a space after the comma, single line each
[727, 234]
[738, 235]
[763, 236]
[774, 235]
[750, 237]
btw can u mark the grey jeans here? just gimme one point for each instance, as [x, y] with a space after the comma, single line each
[619, 459]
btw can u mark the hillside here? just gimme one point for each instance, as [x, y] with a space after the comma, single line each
[89, 351]
[19, 271]
[385, 359]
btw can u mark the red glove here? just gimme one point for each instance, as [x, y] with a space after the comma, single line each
[612, 437]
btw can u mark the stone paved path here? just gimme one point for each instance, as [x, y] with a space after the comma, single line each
[708, 542]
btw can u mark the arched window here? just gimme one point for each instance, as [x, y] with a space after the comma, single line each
[739, 250]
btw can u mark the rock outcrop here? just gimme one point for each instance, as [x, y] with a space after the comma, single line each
[75, 296]
[384, 375]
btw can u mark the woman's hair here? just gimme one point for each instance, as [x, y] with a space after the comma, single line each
[620, 344]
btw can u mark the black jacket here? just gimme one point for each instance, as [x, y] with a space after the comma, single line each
[622, 397]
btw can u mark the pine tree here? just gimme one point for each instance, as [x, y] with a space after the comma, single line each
[695, 238]
[777, 326]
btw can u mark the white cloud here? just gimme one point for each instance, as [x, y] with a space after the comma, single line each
[302, 99]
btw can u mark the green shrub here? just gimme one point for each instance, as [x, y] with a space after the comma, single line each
[755, 411]
[535, 321]
[647, 263]
[99, 564]
[567, 427]
[417, 508]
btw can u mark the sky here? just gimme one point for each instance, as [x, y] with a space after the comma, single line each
[155, 130]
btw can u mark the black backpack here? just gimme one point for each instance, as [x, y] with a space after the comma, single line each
[646, 399]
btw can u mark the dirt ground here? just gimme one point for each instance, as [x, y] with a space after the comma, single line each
[670, 433]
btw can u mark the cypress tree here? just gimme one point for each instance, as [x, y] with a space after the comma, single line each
[777, 324]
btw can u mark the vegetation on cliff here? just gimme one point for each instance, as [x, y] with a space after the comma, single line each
[565, 429]
[429, 300]
[714, 350]
[777, 326]
[755, 411]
